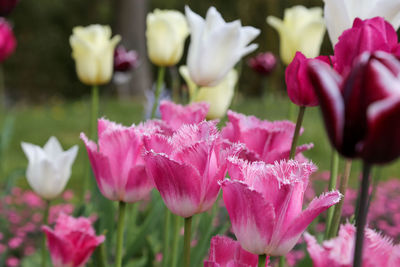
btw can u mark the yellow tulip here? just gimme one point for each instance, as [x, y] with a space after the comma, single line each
[93, 51]
[219, 97]
[166, 33]
[301, 29]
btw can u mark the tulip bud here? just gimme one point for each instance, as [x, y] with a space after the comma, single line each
[166, 33]
[125, 60]
[301, 29]
[216, 46]
[299, 88]
[6, 6]
[49, 168]
[93, 51]
[263, 63]
[340, 14]
[8, 42]
[219, 97]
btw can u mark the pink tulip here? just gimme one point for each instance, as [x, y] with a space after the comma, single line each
[7, 40]
[176, 115]
[263, 63]
[365, 36]
[72, 241]
[264, 203]
[117, 162]
[338, 252]
[125, 60]
[225, 252]
[265, 141]
[187, 166]
[299, 87]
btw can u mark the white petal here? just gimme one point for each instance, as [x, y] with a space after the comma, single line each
[53, 147]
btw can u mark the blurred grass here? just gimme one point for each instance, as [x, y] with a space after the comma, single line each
[65, 120]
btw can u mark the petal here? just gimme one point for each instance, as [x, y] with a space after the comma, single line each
[179, 184]
[326, 83]
[382, 144]
[158, 143]
[138, 185]
[53, 147]
[300, 224]
[252, 217]
[317, 253]
[101, 169]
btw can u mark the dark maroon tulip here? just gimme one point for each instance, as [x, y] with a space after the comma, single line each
[299, 88]
[365, 35]
[263, 63]
[362, 110]
[7, 40]
[125, 60]
[6, 6]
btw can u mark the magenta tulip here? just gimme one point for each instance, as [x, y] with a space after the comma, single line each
[7, 40]
[263, 63]
[72, 241]
[299, 87]
[125, 60]
[6, 6]
[226, 252]
[176, 115]
[362, 110]
[365, 36]
[117, 162]
[264, 140]
[186, 167]
[338, 252]
[264, 203]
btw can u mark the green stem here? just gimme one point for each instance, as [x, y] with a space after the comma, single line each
[338, 208]
[157, 93]
[95, 112]
[175, 241]
[120, 233]
[282, 261]
[361, 217]
[186, 241]
[45, 219]
[167, 226]
[261, 260]
[300, 117]
[332, 186]
[2, 90]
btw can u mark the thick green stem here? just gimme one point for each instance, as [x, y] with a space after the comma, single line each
[261, 260]
[186, 242]
[361, 217]
[120, 233]
[332, 186]
[296, 134]
[166, 245]
[157, 93]
[45, 219]
[175, 241]
[95, 112]
[338, 208]
[282, 261]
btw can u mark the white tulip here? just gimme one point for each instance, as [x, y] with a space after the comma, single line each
[166, 33]
[93, 51]
[216, 46]
[219, 97]
[340, 14]
[49, 168]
